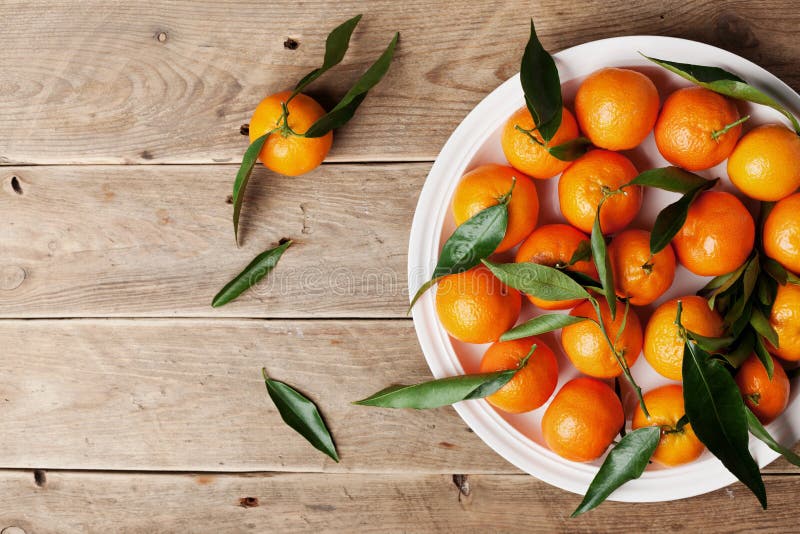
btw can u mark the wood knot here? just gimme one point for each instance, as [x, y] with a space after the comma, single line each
[161, 37]
[40, 477]
[248, 502]
[11, 277]
[734, 31]
[15, 185]
[291, 44]
[244, 129]
[462, 483]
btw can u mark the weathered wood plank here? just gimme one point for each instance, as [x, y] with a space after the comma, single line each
[69, 502]
[158, 240]
[157, 82]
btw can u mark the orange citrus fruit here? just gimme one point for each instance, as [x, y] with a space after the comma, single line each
[481, 188]
[616, 108]
[640, 277]
[665, 405]
[689, 129]
[582, 420]
[525, 154]
[475, 307]
[663, 345]
[717, 236]
[785, 319]
[766, 398]
[782, 233]
[284, 152]
[532, 385]
[587, 348]
[553, 245]
[583, 184]
[764, 164]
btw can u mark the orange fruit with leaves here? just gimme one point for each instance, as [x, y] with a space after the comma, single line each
[764, 164]
[286, 151]
[677, 445]
[617, 108]
[785, 320]
[781, 237]
[582, 420]
[481, 188]
[717, 236]
[638, 275]
[697, 128]
[531, 385]
[532, 157]
[555, 245]
[590, 178]
[767, 398]
[475, 307]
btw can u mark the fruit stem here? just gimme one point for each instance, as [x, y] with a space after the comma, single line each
[506, 198]
[716, 134]
[647, 267]
[529, 134]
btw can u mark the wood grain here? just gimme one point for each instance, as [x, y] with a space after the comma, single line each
[172, 82]
[158, 240]
[134, 503]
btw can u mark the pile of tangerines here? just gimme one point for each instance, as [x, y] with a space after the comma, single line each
[695, 129]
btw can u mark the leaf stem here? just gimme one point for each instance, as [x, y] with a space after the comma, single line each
[716, 134]
[529, 134]
[506, 198]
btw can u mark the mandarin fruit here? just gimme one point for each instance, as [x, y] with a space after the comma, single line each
[663, 344]
[481, 188]
[690, 131]
[584, 184]
[587, 348]
[616, 108]
[665, 405]
[765, 164]
[638, 276]
[475, 307]
[554, 245]
[785, 320]
[286, 151]
[525, 154]
[782, 233]
[582, 420]
[532, 385]
[766, 398]
[717, 236]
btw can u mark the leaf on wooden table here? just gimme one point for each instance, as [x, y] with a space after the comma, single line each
[242, 179]
[251, 275]
[336, 46]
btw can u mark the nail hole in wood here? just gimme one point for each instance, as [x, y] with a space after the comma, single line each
[290, 44]
[39, 477]
[15, 185]
[229, 199]
[248, 502]
[244, 129]
[462, 483]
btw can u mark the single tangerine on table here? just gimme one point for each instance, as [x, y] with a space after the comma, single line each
[532, 385]
[691, 129]
[554, 245]
[525, 154]
[785, 320]
[766, 398]
[764, 164]
[782, 232]
[663, 344]
[582, 420]
[640, 277]
[284, 152]
[476, 307]
[616, 108]
[584, 184]
[481, 188]
[587, 348]
[717, 236]
[665, 405]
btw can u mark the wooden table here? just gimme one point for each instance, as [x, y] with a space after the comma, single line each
[128, 404]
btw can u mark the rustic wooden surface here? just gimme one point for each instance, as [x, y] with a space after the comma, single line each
[128, 404]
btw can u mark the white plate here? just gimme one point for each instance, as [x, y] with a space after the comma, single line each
[517, 438]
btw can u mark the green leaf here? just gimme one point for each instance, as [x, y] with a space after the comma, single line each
[758, 430]
[546, 283]
[716, 412]
[775, 270]
[251, 275]
[762, 325]
[301, 414]
[336, 46]
[763, 355]
[603, 263]
[570, 150]
[582, 253]
[626, 461]
[739, 316]
[711, 344]
[443, 391]
[750, 276]
[725, 83]
[541, 325]
[347, 106]
[673, 179]
[670, 220]
[242, 178]
[766, 290]
[585, 280]
[542, 87]
[742, 350]
[476, 239]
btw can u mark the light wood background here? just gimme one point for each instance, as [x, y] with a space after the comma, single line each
[128, 404]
